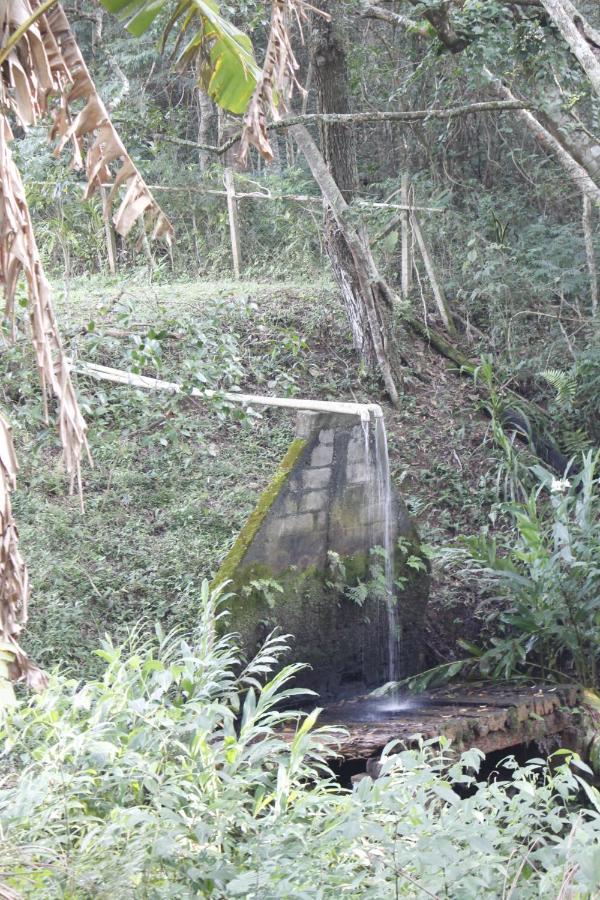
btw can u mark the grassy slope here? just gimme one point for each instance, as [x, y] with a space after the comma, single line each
[174, 480]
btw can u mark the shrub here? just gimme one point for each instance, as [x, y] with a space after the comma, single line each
[550, 578]
[168, 777]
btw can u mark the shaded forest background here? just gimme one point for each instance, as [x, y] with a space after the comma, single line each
[508, 244]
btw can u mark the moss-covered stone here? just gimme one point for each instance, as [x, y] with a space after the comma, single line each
[267, 498]
[339, 629]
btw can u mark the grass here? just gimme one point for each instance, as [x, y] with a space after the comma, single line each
[174, 480]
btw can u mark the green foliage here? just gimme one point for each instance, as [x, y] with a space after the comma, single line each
[375, 585]
[168, 777]
[550, 578]
[228, 71]
[587, 396]
[512, 479]
[564, 383]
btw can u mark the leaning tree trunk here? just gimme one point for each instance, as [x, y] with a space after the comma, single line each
[582, 38]
[375, 295]
[367, 311]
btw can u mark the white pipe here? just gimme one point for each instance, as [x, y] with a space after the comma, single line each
[118, 376]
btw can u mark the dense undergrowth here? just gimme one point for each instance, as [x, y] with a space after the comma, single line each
[173, 480]
[167, 777]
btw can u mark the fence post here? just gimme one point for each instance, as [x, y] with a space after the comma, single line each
[234, 229]
[407, 255]
[436, 287]
[109, 232]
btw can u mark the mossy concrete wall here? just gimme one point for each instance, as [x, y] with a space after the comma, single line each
[312, 533]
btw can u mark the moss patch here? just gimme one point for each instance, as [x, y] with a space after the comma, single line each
[267, 499]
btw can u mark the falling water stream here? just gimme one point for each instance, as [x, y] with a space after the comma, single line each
[380, 504]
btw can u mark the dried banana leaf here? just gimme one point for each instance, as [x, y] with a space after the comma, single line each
[277, 79]
[46, 73]
[19, 254]
[14, 583]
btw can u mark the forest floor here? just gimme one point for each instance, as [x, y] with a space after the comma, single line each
[174, 479]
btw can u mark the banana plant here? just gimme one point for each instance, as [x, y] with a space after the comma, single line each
[228, 71]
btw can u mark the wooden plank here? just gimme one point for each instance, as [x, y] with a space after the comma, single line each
[492, 717]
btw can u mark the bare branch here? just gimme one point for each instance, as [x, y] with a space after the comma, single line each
[370, 11]
[573, 168]
[363, 118]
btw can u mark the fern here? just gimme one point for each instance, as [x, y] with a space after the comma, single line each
[564, 383]
[576, 441]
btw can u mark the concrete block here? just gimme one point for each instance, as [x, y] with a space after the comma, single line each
[289, 506]
[319, 503]
[306, 423]
[314, 501]
[356, 473]
[316, 479]
[356, 450]
[372, 513]
[322, 455]
[321, 522]
[300, 524]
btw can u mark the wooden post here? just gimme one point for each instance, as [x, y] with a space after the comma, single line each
[145, 244]
[407, 256]
[234, 229]
[109, 232]
[438, 293]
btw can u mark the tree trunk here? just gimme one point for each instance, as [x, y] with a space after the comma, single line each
[347, 246]
[373, 294]
[207, 129]
[579, 35]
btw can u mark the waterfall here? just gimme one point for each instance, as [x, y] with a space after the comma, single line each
[380, 504]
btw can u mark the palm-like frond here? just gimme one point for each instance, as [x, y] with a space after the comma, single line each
[564, 383]
[14, 583]
[228, 71]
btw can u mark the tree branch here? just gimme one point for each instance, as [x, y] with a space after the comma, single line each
[578, 35]
[362, 118]
[370, 11]
[574, 169]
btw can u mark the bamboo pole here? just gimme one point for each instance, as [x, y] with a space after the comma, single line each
[438, 292]
[590, 253]
[109, 232]
[118, 376]
[407, 256]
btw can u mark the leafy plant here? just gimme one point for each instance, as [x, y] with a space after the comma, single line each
[228, 71]
[550, 578]
[512, 478]
[267, 589]
[564, 383]
[169, 776]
